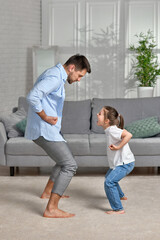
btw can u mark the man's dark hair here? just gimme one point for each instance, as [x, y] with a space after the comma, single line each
[80, 62]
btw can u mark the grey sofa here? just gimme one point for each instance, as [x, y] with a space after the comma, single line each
[85, 139]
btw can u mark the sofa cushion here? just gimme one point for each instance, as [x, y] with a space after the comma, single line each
[78, 144]
[10, 121]
[150, 107]
[22, 104]
[98, 144]
[147, 127]
[139, 146]
[145, 146]
[124, 106]
[22, 146]
[76, 117]
[132, 109]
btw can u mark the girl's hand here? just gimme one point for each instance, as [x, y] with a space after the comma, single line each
[113, 147]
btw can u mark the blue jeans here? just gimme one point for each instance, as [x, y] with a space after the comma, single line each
[111, 186]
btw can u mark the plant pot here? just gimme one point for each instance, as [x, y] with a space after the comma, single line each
[145, 92]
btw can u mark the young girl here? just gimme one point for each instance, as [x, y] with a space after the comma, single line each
[121, 159]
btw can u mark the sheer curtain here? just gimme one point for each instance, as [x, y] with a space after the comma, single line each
[101, 30]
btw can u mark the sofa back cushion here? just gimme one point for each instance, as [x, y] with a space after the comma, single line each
[76, 117]
[22, 104]
[132, 109]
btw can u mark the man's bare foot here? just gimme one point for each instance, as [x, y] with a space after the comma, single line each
[47, 196]
[57, 213]
[115, 212]
[52, 210]
[124, 198]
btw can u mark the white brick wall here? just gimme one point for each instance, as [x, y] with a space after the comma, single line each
[20, 29]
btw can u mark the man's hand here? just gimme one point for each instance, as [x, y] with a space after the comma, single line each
[49, 119]
[114, 147]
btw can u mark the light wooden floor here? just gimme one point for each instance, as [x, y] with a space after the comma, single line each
[36, 171]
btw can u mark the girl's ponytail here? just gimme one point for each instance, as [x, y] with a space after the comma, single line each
[121, 121]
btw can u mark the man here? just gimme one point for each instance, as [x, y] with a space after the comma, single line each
[44, 124]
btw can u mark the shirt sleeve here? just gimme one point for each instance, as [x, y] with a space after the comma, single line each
[116, 133]
[42, 88]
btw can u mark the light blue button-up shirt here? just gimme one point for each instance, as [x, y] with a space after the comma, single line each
[47, 94]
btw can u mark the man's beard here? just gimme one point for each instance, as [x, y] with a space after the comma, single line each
[69, 80]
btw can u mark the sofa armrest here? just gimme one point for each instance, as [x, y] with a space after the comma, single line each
[3, 140]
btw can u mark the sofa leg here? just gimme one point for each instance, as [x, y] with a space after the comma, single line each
[158, 170]
[11, 171]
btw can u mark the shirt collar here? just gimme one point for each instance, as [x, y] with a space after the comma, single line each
[63, 72]
[107, 129]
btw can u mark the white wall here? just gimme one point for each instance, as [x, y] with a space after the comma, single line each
[20, 29]
[103, 31]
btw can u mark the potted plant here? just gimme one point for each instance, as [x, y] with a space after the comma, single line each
[145, 65]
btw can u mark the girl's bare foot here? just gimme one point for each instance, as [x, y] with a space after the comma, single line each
[57, 213]
[124, 198]
[115, 212]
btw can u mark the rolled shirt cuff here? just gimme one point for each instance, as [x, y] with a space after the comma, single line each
[37, 108]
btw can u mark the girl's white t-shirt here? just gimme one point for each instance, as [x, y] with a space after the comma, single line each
[121, 156]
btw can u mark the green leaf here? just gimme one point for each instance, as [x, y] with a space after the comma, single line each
[145, 61]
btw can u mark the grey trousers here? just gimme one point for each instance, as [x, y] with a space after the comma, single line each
[65, 167]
